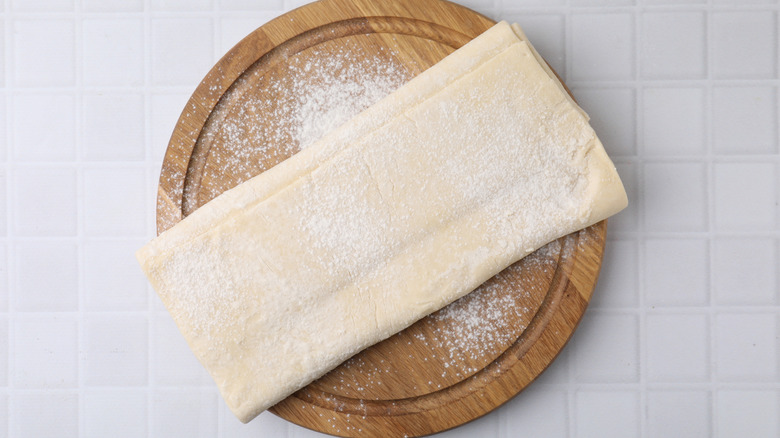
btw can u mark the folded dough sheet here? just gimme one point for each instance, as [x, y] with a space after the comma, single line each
[415, 202]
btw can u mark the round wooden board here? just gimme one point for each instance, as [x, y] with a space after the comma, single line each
[452, 366]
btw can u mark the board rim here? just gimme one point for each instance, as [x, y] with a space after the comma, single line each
[570, 296]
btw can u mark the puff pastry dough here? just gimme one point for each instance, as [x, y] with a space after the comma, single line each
[415, 202]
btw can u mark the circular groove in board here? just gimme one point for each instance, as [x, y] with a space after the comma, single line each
[452, 366]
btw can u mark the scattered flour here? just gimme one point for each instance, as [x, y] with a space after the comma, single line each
[337, 88]
[274, 114]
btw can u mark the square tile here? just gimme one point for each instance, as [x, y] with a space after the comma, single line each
[42, 5]
[118, 413]
[45, 352]
[612, 114]
[607, 348]
[537, 412]
[744, 271]
[165, 111]
[113, 51]
[675, 197]
[744, 120]
[676, 272]
[47, 277]
[743, 2]
[55, 143]
[511, 4]
[4, 412]
[156, 303]
[606, 413]
[673, 45]
[628, 219]
[115, 350]
[547, 33]
[677, 348]
[184, 412]
[45, 414]
[744, 44]
[44, 201]
[601, 2]
[173, 363]
[734, 210]
[115, 202]
[673, 2]
[4, 342]
[3, 118]
[234, 29]
[181, 5]
[182, 50]
[747, 347]
[265, 424]
[249, 5]
[112, 278]
[678, 414]
[618, 285]
[113, 5]
[747, 413]
[37, 46]
[602, 47]
[3, 219]
[4, 268]
[104, 139]
[3, 53]
[673, 121]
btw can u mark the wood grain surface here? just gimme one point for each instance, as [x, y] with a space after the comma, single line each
[450, 367]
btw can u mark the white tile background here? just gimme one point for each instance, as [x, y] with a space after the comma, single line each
[681, 339]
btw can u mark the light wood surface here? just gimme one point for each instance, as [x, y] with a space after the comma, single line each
[424, 379]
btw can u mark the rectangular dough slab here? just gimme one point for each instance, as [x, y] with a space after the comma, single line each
[389, 218]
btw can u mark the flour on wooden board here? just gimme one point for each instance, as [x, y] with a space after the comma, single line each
[333, 89]
[316, 94]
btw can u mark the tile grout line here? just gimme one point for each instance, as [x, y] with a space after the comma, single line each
[9, 263]
[776, 166]
[777, 171]
[711, 228]
[777, 190]
[734, 234]
[150, 326]
[670, 83]
[640, 242]
[81, 354]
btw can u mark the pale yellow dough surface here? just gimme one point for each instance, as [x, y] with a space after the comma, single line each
[417, 201]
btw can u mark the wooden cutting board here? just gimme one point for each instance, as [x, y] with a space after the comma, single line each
[249, 114]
